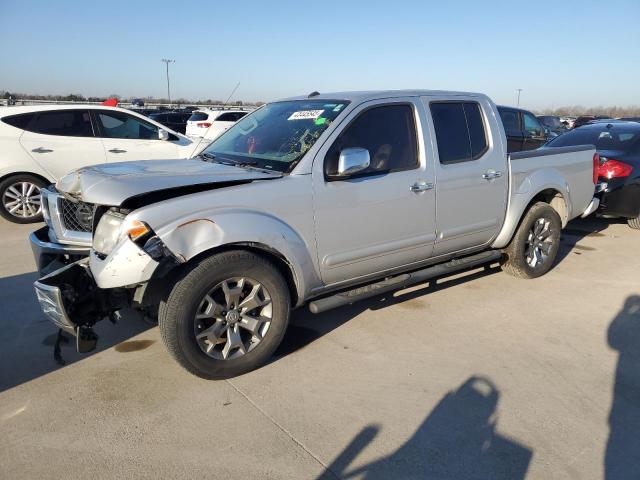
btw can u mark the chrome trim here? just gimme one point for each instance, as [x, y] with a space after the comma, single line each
[593, 206]
[50, 297]
[61, 233]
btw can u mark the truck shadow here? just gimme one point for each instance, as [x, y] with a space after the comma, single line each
[580, 229]
[457, 440]
[27, 338]
[300, 333]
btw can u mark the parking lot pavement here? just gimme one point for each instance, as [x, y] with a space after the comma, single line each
[480, 376]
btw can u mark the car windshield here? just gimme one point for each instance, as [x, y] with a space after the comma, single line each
[277, 135]
[603, 138]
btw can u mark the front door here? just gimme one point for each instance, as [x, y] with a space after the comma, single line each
[127, 137]
[472, 174]
[384, 216]
[62, 140]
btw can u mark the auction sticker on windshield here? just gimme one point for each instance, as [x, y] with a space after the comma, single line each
[305, 115]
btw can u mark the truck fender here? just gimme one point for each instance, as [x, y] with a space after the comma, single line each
[546, 185]
[191, 237]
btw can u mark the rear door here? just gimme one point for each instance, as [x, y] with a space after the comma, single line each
[471, 172]
[534, 135]
[373, 221]
[62, 140]
[512, 123]
[127, 137]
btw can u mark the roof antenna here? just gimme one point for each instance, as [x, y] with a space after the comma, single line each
[231, 94]
[313, 94]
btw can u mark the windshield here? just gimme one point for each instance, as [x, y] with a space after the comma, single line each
[277, 135]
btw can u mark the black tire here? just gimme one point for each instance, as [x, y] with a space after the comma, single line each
[634, 222]
[177, 314]
[519, 251]
[6, 184]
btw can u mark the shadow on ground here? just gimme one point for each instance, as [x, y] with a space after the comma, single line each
[300, 333]
[27, 338]
[622, 458]
[457, 440]
[579, 229]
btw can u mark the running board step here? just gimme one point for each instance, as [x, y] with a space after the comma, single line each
[402, 281]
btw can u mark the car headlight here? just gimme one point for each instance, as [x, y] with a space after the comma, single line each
[112, 227]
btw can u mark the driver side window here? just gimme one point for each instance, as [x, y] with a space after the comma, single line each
[389, 134]
[121, 125]
[532, 125]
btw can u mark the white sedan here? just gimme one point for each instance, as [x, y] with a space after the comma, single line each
[40, 144]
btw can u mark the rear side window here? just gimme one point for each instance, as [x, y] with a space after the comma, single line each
[230, 117]
[67, 123]
[460, 131]
[198, 117]
[387, 132]
[19, 121]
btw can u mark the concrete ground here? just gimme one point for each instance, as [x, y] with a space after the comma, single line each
[481, 376]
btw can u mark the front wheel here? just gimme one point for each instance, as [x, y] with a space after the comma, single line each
[534, 246]
[634, 223]
[226, 316]
[20, 199]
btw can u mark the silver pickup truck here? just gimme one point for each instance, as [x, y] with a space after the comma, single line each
[323, 201]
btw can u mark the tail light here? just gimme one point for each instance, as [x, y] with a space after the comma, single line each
[203, 124]
[610, 168]
[596, 167]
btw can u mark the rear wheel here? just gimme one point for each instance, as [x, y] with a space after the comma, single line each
[20, 198]
[535, 244]
[634, 222]
[226, 316]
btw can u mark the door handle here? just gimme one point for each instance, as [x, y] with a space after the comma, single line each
[419, 187]
[41, 150]
[491, 174]
[117, 150]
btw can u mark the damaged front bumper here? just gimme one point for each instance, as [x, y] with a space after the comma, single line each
[71, 299]
[49, 255]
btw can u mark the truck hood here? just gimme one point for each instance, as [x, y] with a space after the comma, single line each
[113, 183]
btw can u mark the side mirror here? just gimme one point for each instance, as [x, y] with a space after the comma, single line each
[353, 160]
[163, 134]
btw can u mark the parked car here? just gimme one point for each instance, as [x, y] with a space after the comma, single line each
[137, 102]
[552, 124]
[584, 119]
[618, 146]
[567, 121]
[523, 130]
[630, 119]
[322, 200]
[39, 144]
[174, 120]
[211, 123]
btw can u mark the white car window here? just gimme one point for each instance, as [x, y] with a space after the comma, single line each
[121, 125]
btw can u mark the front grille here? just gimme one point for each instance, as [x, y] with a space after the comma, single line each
[76, 216]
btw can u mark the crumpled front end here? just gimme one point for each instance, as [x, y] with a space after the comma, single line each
[71, 299]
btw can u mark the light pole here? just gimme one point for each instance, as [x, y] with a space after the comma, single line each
[167, 62]
[519, 90]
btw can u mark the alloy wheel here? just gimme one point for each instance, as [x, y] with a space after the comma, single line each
[22, 200]
[539, 243]
[233, 318]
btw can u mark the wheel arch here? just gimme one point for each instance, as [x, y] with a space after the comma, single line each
[33, 174]
[550, 195]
